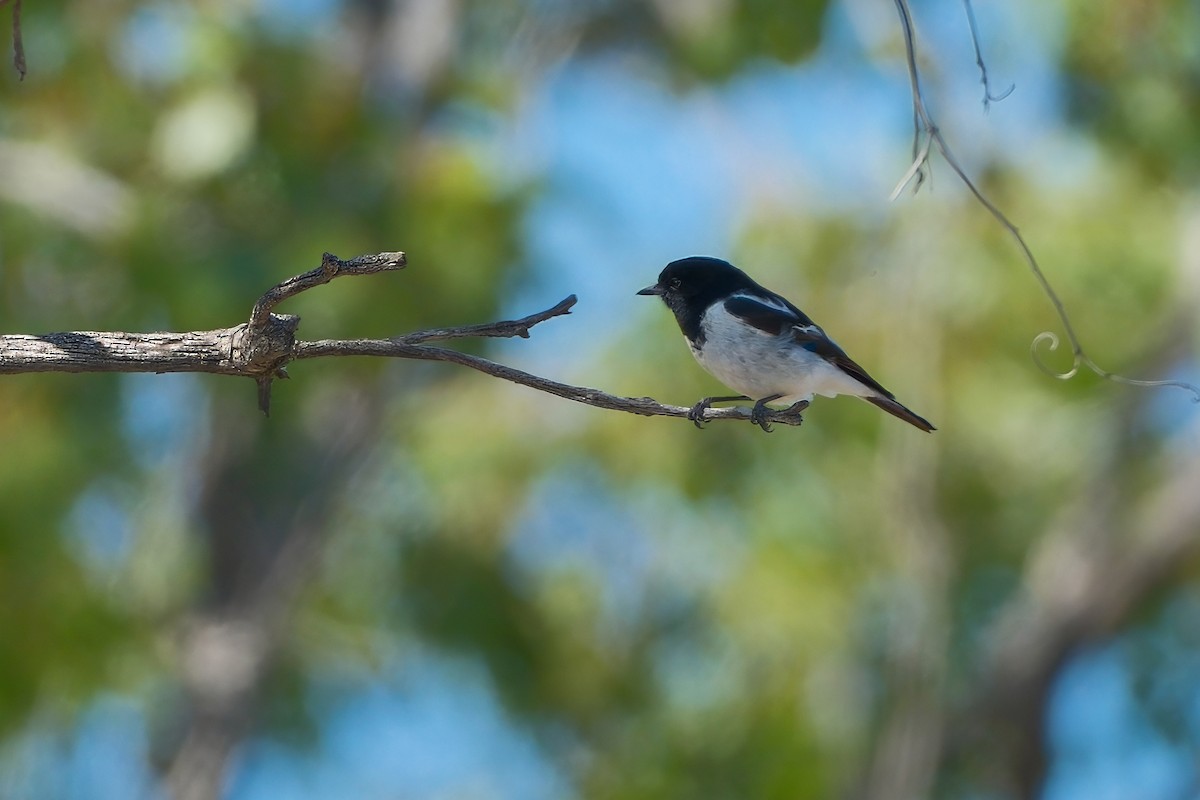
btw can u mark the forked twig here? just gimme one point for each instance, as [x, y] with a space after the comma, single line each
[331, 267]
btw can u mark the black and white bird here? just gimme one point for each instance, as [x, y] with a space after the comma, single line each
[757, 343]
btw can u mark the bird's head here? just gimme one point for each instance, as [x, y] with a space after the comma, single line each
[697, 282]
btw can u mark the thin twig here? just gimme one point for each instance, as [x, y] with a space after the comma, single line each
[504, 330]
[988, 97]
[645, 406]
[331, 267]
[18, 44]
[921, 120]
[928, 128]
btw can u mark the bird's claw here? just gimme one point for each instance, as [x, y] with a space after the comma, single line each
[758, 416]
[696, 413]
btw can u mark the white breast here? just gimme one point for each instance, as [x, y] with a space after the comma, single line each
[759, 364]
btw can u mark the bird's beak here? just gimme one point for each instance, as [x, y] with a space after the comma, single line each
[655, 289]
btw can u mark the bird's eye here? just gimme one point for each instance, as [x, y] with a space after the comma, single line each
[676, 283]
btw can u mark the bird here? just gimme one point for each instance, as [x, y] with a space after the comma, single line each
[757, 343]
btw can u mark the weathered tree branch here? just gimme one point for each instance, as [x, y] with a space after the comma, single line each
[93, 351]
[262, 348]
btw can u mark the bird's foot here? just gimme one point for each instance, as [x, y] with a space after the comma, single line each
[760, 412]
[696, 413]
[758, 415]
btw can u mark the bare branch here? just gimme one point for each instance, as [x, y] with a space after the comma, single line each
[270, 354]
[263, 347]
[926, 127]
[988, 97]
[645, 406]
[93, 351]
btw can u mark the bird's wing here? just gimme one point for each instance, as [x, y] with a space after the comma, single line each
[772, 315]
[775, 315]
[814, 340]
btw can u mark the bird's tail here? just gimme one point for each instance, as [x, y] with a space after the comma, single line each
[896, 410]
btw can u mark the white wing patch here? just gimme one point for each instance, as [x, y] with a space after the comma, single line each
[810, 330]
[769, 302]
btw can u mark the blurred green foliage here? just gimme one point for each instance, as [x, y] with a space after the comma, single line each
[781, 573]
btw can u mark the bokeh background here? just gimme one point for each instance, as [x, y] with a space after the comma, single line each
[415, 581]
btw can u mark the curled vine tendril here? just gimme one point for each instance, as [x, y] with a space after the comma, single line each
[1053, 341]
[1081, 359]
